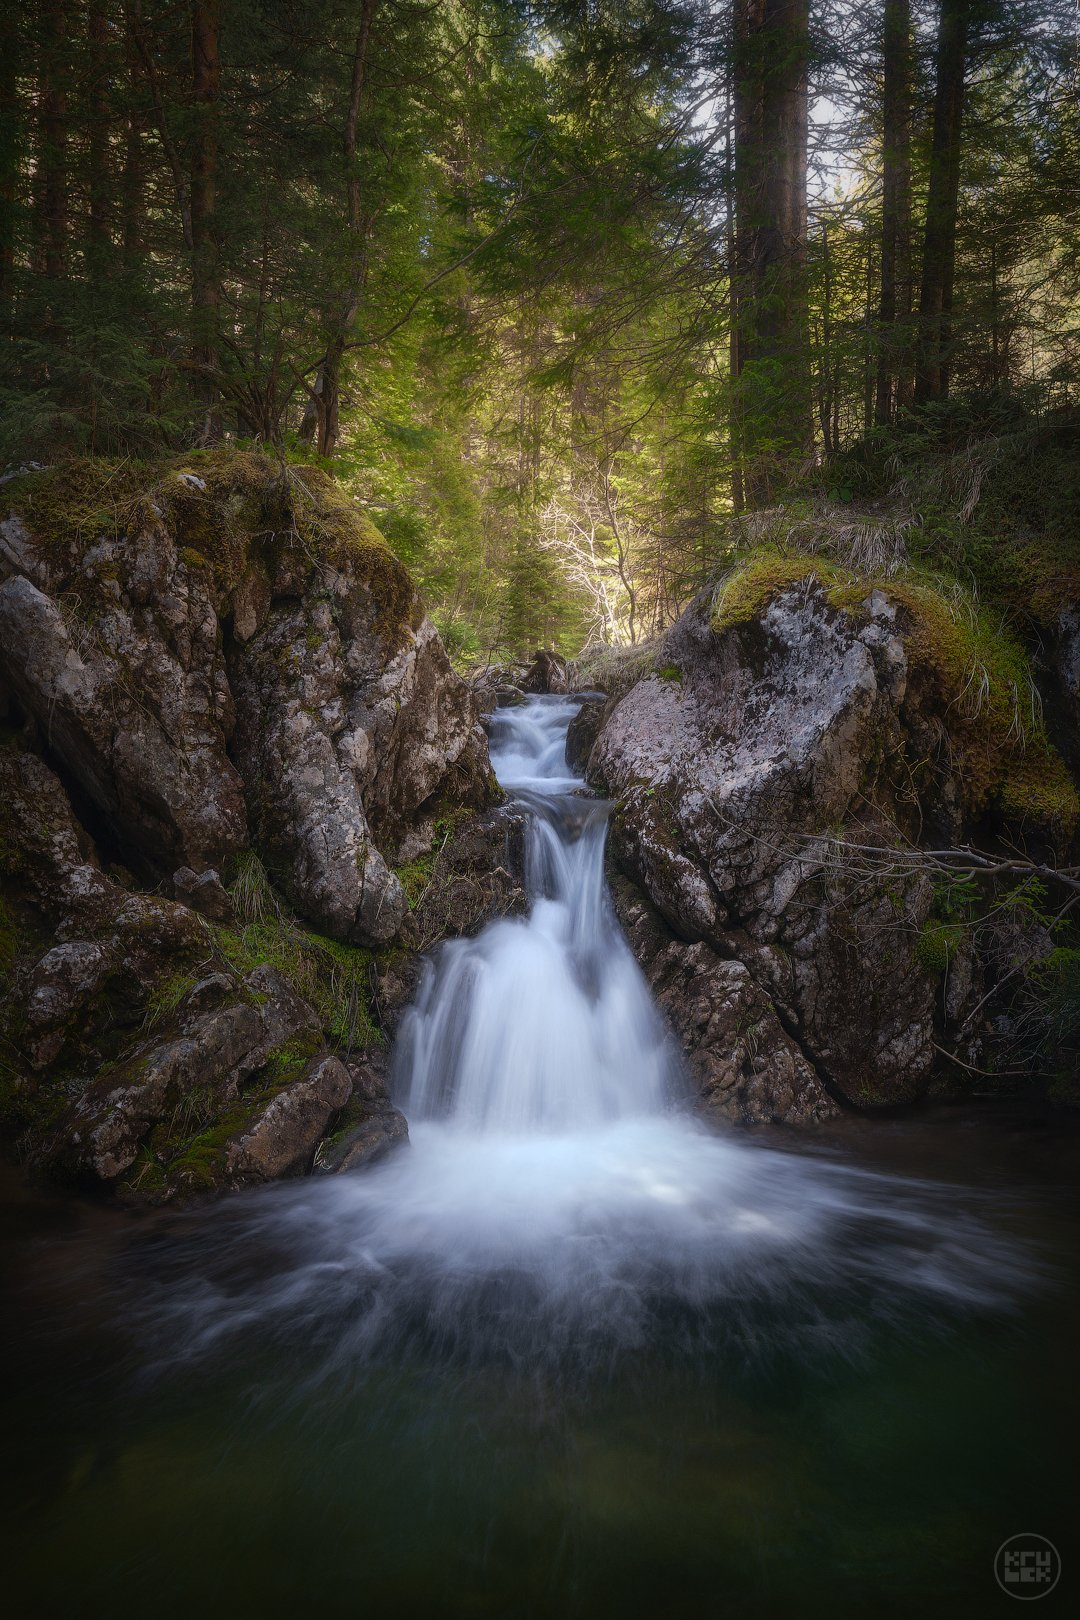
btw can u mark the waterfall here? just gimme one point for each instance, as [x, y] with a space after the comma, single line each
[556, 1206]
[544, 1022]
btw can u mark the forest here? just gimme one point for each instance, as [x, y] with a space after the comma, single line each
[539, 808]
[556, 291]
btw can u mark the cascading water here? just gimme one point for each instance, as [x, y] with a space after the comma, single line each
[555, 1204]
[544, 1024]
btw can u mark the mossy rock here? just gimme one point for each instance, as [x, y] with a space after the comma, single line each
[226, 509]
[964, 668]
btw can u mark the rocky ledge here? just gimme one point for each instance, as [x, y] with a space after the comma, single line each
[240, 788]
[778, 764]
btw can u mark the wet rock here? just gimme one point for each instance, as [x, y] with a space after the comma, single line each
[383, 1131]
[211, 1056]
[283, 1136]
[583, 731]
[468, 876]
[546, 673]
[374, 1126]
[780, 730]
[745, 1067]
[204, 893]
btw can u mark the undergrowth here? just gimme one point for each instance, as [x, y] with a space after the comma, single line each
[334, 977]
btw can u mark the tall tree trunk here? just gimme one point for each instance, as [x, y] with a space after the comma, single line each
[322, 417]
[133, 183]
[53, 138]
[97, 39]
[738, 498]
[825, 396]
[869, 346]
[205, 269]
[895, 361]
[939, 247]
[11, 137]
[771, 114]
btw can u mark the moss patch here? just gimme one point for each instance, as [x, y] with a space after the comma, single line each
[225, 508]
[334, 977]
[937, 944]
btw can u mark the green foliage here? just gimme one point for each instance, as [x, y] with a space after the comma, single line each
[334, 977]
[937, 944]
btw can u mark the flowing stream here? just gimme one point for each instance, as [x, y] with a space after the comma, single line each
[570, 1351]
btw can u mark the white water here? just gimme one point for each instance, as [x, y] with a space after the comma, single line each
[556, 1203]
[542, 1024]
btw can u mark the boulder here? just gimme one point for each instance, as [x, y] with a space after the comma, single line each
[204, 893]
[206, 1064]
[779, 738]
[745, 1066]
[218, 673]
[546, 673]
[373, 1126]
[583, 731]
[236, 656]
[283, 1136]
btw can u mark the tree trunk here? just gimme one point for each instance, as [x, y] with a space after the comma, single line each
[895, 362]
[133, 184]
[322, 416]
[205, 269]
[97, 40]
[11, 136]
[939, 248]
[771, 113]
[53, 138]
[868, 346]
[738, 497]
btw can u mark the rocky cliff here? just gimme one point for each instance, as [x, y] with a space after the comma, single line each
[779, 767]
[240, 785]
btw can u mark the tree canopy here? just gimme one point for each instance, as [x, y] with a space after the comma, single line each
[554, 289]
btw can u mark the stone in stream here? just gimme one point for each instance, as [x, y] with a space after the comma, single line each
[546, 673]
[584, 729]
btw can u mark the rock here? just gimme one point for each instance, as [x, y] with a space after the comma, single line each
[780, 730]
[93, 951]
[383, 1130]
[204, 893]
[211, 1056]
[746, 1068]
[375, 1125]
[1062, 654]
[137, 708]
[241, 662]
[583, 731]
[245, 661]
[475, 874]
[282, 1138]
[335, 742]
[547, 673]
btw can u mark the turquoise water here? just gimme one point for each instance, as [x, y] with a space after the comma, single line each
[841, 1453]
